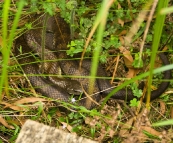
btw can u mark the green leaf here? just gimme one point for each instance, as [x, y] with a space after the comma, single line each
[136, 92]
[28, 26]
[62, 119]
[134, 103]
[76, 129]
[71, 4]
[71, 115]
[72, 43]
[75, 47]
[138, 62]
[49, 8]
[149, 38]
[103, 57]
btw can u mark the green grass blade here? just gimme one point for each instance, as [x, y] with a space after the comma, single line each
[163, 123]
[15, 22]
[4, 50]
[7, 47]
[156, 41]
[101, 16]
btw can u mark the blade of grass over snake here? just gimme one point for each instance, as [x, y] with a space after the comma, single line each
[102, 16]
[155, 71]
[156, 40]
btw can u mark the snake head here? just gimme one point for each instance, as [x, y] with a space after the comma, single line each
[74, 87]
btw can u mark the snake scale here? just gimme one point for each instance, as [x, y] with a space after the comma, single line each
[56, 38]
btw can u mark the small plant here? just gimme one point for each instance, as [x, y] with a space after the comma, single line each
[136, 92]
[134, 102]
[138, 62]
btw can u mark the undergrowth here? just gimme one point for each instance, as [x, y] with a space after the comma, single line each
[99, 124]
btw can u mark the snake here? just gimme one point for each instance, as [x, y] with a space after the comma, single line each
[56, 63]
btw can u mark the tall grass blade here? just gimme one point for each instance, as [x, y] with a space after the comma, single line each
[8, 41]
[101, 19]
[156, 40]
[163, 123]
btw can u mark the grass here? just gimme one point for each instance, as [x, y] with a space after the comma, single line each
[155, 45]
[7, 47]
[98, 122]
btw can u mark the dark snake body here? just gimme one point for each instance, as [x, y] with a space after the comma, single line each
[57, 37]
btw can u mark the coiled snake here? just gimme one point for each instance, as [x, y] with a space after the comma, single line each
[56, 38]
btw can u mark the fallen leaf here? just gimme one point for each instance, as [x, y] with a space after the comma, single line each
[124, 32]
[121, 38]
[3, 121]
[29, 100]
[121, 22]
[128, 59]
[165, 48]
[132, 73]
[11, 106]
